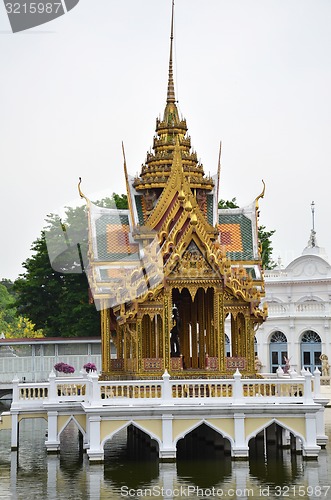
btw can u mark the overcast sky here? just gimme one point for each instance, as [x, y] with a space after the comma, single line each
[255, 74]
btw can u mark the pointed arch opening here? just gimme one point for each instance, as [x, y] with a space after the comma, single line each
[131, 443]
[71, 445]
[203, 442]
[274, 448]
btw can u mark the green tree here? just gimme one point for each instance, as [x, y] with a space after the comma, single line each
[56, 302]
[11, 323]
[7, 309]
[55, 295]
[263, 235]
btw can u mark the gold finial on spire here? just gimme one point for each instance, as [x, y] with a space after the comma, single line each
[171, 87]
[127, 186]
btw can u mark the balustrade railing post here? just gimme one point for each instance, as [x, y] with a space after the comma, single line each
[94, 389]
[317, 383]
[308, 396]
[166, 389]
[238, 393]
[15, 389]
[52, 394]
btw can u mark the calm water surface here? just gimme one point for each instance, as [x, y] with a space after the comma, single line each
[32, 474]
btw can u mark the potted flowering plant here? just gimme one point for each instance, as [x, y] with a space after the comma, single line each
[64, 368]
[90, 367]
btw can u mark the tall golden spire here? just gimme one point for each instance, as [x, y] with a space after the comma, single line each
[171, 87]
[170, 129]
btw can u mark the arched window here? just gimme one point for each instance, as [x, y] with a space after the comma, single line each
[310, 350]
[278, 350]
[278, 337]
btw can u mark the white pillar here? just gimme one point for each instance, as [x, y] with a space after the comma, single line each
[14, 430]
[310, 448]
[52, 443]
[167, 450]
[95, 451]
[240, 449]
[286, 438]
[321, 437]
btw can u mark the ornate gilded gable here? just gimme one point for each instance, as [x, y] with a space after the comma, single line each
[192, 264]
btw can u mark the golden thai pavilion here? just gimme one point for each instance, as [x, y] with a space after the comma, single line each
[172, 273]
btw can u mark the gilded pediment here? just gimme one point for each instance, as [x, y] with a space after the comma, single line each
[193, 263]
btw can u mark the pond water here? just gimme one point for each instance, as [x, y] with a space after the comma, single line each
[135, 472]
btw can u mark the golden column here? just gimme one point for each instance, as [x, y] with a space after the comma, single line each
[139, 344]
[219, 329]
[167, 306]
[105, 337]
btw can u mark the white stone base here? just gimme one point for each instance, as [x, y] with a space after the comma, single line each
[322, 440]
[311, 452]
[52, 446]
[167, 455]
[96, 456]
[240, 453]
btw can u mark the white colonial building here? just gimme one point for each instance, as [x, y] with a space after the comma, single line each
[299, 302]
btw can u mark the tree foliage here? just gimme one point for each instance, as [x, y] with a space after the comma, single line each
[11, 323]
[263, 235]
[54, 293]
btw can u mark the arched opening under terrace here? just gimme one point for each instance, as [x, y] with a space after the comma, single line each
[203, 442]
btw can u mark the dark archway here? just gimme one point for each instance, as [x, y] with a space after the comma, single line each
[196, 316]
[204, 457]
[131, 458]
[203, 441]
[71, 448]
[273, 455]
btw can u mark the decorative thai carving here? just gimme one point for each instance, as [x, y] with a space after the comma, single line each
[150, 198]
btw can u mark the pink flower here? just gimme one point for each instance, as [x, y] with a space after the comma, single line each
[90, 367]
[64, 368]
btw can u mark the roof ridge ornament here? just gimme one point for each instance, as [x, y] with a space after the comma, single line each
[127, 184]
[261, 195]
[81, 194]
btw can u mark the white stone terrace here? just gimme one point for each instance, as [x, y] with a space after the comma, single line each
[168, 409]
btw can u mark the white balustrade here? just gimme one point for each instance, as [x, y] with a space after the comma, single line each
[88, 389]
